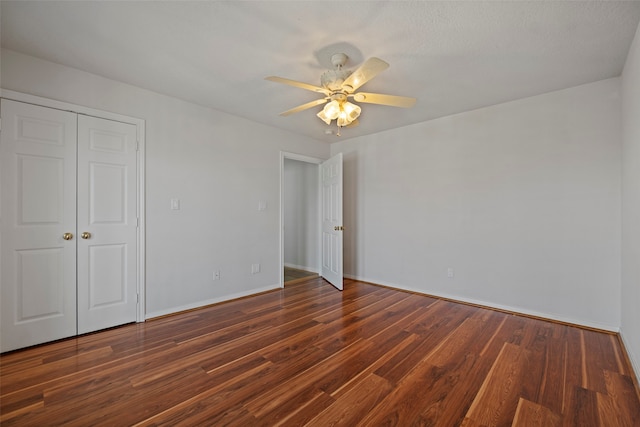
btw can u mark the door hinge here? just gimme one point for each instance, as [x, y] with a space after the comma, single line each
[137, 298]
[0, 123]
[138, 222]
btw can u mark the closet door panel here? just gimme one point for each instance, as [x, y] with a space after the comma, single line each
[38, 208]
[107, 223]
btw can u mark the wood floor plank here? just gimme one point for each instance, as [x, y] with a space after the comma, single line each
[497, 399]
[541, 365]
[360, 323]
[608, 413]
[223, 381]
[317, 376]
[529, 414]
[311, 355]
[302, 413]
[61, 367]
[462, 378]
[574, 370]
[433, 327]
[548, 364]
[404, 404]
[460, 370]
[355, 404]
[597, 352]
[623, 397]
[583, 408]
[400, 341]
[21, 403]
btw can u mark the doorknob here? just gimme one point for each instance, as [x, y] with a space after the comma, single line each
[85, 235]
[67, 236]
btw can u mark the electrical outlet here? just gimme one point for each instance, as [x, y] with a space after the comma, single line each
[255, 268]
[216, 275]
[450, 273]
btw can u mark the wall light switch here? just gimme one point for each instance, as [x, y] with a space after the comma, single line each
[175, 204]
[255, 268]
[262, 205]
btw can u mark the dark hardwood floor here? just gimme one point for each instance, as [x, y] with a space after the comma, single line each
[311, 355]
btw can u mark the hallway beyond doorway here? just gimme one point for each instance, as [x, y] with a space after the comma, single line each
[294, 275]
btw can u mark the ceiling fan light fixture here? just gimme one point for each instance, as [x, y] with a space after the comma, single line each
[324, 117]
[342, 120]
[352, 111]
[348, 113]
[344, 112]
[338, 85]
[331, 111]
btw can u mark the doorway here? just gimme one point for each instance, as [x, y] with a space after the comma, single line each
[300, 218]
[324, 192]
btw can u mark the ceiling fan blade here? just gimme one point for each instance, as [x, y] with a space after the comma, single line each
[379, 98]
[301, 85]
[371, 68]
[304, 107]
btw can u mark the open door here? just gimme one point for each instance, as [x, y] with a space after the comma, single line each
[331, 180]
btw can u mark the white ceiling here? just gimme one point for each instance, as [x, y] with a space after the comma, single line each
[453, 56]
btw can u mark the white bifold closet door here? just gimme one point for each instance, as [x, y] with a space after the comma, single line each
[69, 224]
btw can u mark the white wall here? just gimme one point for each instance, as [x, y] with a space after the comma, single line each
[630, 329]
[301, 215]
[521, 199]
[219, 166]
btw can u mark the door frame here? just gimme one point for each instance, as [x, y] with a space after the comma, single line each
[140, 178]
[306, 159]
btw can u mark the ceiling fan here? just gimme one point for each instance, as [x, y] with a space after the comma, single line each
[338, 85]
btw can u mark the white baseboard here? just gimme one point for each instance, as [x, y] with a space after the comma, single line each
[199, 304]
[517, 310]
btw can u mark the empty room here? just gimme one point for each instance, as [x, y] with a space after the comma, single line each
[262, 213]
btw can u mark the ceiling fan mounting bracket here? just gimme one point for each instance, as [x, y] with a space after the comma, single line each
[339, 59]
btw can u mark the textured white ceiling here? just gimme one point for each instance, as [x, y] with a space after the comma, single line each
[453, 56]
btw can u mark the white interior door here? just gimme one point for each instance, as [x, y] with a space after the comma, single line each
[38, 207]
[107, 223]
[331, 178]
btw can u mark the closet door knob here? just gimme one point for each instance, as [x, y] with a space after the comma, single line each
[67, 236]
[85, 235]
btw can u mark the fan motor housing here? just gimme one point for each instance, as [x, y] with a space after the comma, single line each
[333, 79]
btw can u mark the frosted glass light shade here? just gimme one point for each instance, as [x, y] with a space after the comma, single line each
[345, 112]
[332, 109]
[352, 111]
[330, 112]
[324, 117]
